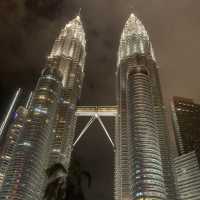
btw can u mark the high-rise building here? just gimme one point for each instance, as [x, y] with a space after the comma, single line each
[47, 132]
[69, 52]
[143, 168]
[186, 116]
[142, 159]
[10, 142]
[187, 176]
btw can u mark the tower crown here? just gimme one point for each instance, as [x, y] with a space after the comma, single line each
[134, 40]
[70, 41]
[75, 29]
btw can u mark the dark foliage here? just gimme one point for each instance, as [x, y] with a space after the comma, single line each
[63, 187]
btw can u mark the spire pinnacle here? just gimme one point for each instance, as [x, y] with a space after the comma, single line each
[79, 12]
[134, 39]
[72, 30]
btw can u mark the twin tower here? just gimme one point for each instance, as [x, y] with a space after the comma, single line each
[46, 129]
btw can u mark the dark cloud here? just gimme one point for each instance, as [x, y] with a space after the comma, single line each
[29, 27]
[44, 8]
[94, 33]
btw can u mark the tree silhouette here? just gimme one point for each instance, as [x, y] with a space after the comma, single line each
[66, 186]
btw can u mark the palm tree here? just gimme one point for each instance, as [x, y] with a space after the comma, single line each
[56, 183]
[63, 187]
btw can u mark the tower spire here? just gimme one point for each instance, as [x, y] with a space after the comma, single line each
[135, 32]
[79, 12]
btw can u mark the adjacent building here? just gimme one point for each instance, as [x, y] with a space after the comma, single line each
[187, 176]
[48, 132]
[142, 160]
[186, 121]
[186, 118]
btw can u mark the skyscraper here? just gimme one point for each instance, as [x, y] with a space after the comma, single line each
[142, 159]
[142, 154]
[69, 49]
[186, 115]
[187, 172]
[11, 140]
[47, 130]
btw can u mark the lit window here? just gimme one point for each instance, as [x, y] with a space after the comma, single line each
[26, 144]
[56, 150]
[40, 110]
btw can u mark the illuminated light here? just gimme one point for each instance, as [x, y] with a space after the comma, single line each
[105, 130]
[18, 126]
[68, 25]
[41, 97]
[39, 110]
[50, 77]
[8, 157]
[29, 100]
[15, 115]
[25, 144]
[10, 111]
[56, 150]
[92, 119]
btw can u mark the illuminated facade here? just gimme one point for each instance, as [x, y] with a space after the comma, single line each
[11, 141]
[69, 54]
[142, 159]
[47, 134]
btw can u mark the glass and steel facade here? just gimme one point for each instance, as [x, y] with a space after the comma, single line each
[186, 115]
[11, 140]
[48, 130]
[187, 176]
[142, 157]
[25, 173]
[143, 169]
[69, 50]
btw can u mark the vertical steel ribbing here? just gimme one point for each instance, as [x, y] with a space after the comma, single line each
[122, 183]
[11, 140]
[163, 131]
[147, 176]
[25, 174]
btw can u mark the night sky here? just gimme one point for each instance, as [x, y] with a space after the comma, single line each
[29, 27]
